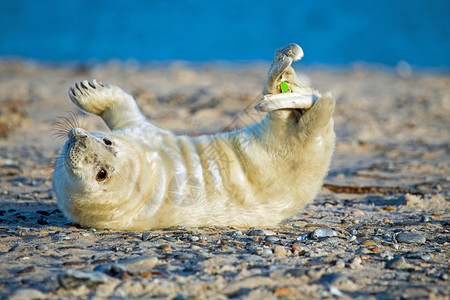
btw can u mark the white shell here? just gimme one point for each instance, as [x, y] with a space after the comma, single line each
[286, 101]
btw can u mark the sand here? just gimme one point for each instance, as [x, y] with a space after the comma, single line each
[390, 177]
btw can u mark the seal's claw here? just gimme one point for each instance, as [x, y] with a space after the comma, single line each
[77, 86]
[84, 84]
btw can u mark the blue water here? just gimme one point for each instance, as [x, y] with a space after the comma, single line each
[330, 32]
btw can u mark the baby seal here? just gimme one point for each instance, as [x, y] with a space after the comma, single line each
[139, 176]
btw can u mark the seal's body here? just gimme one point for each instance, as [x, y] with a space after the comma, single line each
[140, 177]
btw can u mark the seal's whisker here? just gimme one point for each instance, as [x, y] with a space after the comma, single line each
[49, 169]
[53, 165]
[64, 124]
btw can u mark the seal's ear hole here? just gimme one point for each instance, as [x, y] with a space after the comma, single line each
[101, 175]
[107, 142]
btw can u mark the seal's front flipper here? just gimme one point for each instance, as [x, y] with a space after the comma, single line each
[117, 108]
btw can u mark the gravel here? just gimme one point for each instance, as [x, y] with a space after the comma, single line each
[409, 238]
[380, 143]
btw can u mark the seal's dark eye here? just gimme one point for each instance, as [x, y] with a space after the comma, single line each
[101, 175]
[107, 142]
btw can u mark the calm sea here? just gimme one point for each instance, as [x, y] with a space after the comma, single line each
[330, 32]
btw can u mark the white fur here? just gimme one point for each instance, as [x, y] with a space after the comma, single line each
[256, 176]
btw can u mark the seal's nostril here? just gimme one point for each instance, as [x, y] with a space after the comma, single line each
[77, 133]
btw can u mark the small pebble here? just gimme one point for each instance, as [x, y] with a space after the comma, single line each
[196, 247]
[251, 258]
[280, 250]
[340, 264]
[323, 293]
[282, 291]
[425, 219]
[299, 272]
[27, 293]
[396, 263]
[295, 248]
[72, 279]
[193, 238]
[112, 269]
[303, 237]
[355, 263]
[256, 232]
[334, 278]
[368, 243]
[169, 238]
[42, 247]
[43, 221]
[409, 238]
[267, 251]
[353, 231]
[335, 291]
[185, 256]
[323, 232]
[236, 233]
[165, 247]
[146, 236]
[256, 250]
[425, 257]
[333, 240]
[23, 257]
[147, 261]
[272, 239]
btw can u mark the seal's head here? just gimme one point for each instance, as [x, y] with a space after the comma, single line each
[98, 179]
[90, 158]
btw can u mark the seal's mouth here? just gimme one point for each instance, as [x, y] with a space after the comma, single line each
[75, 147]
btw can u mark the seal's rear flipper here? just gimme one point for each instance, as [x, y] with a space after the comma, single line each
[314, 120]
[282, 89]
[281, 77]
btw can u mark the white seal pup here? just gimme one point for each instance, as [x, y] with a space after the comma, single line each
[139, 177]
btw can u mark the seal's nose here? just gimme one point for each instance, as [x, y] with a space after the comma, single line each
[78, 133]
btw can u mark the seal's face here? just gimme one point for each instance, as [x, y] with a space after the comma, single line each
[90, 156]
